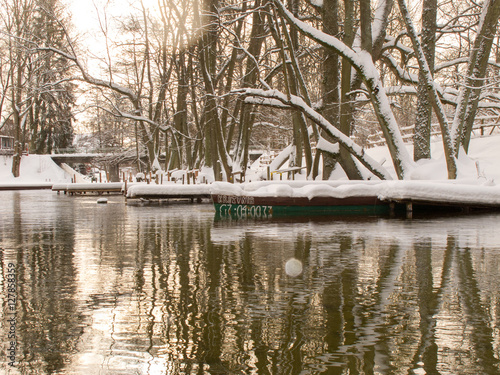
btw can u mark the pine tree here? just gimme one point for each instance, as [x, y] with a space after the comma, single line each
[52, 100]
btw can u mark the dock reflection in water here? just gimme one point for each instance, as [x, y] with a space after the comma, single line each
[114, 289]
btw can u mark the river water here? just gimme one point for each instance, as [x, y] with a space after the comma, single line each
[112, 288]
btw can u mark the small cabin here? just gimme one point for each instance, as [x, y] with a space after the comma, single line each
[6, 145]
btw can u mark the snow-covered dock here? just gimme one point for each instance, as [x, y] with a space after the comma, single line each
[26, 186]
[360, 197]
[90, 188]
[171, 191]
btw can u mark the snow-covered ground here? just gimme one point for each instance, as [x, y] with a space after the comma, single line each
[35, 169]
[481, 166]
[482, 163]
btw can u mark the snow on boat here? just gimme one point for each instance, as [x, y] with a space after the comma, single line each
[271, 199]
[347, 198]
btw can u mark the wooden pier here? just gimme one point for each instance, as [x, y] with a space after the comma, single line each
[421, 207]
[26, 186]
[90, 188]
[167, 192]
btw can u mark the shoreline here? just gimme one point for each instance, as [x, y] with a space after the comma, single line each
[27, 186]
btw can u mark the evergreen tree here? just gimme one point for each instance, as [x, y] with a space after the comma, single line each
[52, 94]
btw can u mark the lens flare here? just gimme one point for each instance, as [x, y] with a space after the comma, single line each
[293, 267]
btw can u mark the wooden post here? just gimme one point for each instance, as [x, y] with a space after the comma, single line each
[392, 209]
[268, 172]
[409, 210]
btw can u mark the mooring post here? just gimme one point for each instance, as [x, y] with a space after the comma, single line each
[409, 210]
[392, 209]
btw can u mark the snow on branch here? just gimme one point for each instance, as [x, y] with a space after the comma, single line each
[271, 97]
[326, 40]
[362, 62]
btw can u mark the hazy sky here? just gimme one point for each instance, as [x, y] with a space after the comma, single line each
[85, 18]
[85, 13]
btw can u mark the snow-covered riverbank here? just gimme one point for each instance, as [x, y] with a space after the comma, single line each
[480, 166]
[35, 170]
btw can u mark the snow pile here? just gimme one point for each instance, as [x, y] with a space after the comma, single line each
[303, 188]
[35, 170]
[480, 163]
[449, 192]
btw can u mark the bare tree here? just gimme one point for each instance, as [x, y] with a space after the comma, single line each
[16, 21]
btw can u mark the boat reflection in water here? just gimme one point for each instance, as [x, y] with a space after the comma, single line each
[112, 289]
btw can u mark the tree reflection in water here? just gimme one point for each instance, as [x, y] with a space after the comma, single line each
[120, 289]
[48, 318]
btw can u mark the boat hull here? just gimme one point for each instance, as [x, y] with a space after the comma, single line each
[267, 207]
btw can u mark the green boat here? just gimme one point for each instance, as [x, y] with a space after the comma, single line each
[246, 206]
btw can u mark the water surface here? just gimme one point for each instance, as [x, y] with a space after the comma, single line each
[117, 289]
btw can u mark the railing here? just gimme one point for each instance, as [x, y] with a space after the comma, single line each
[98, 150]
[377, 139]
[7, 151]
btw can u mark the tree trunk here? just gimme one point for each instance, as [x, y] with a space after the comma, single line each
[422, 135]
[331, 68]
[476, 73]
[215, 150]
[249, 80]
[346, 109]
[432, 91]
